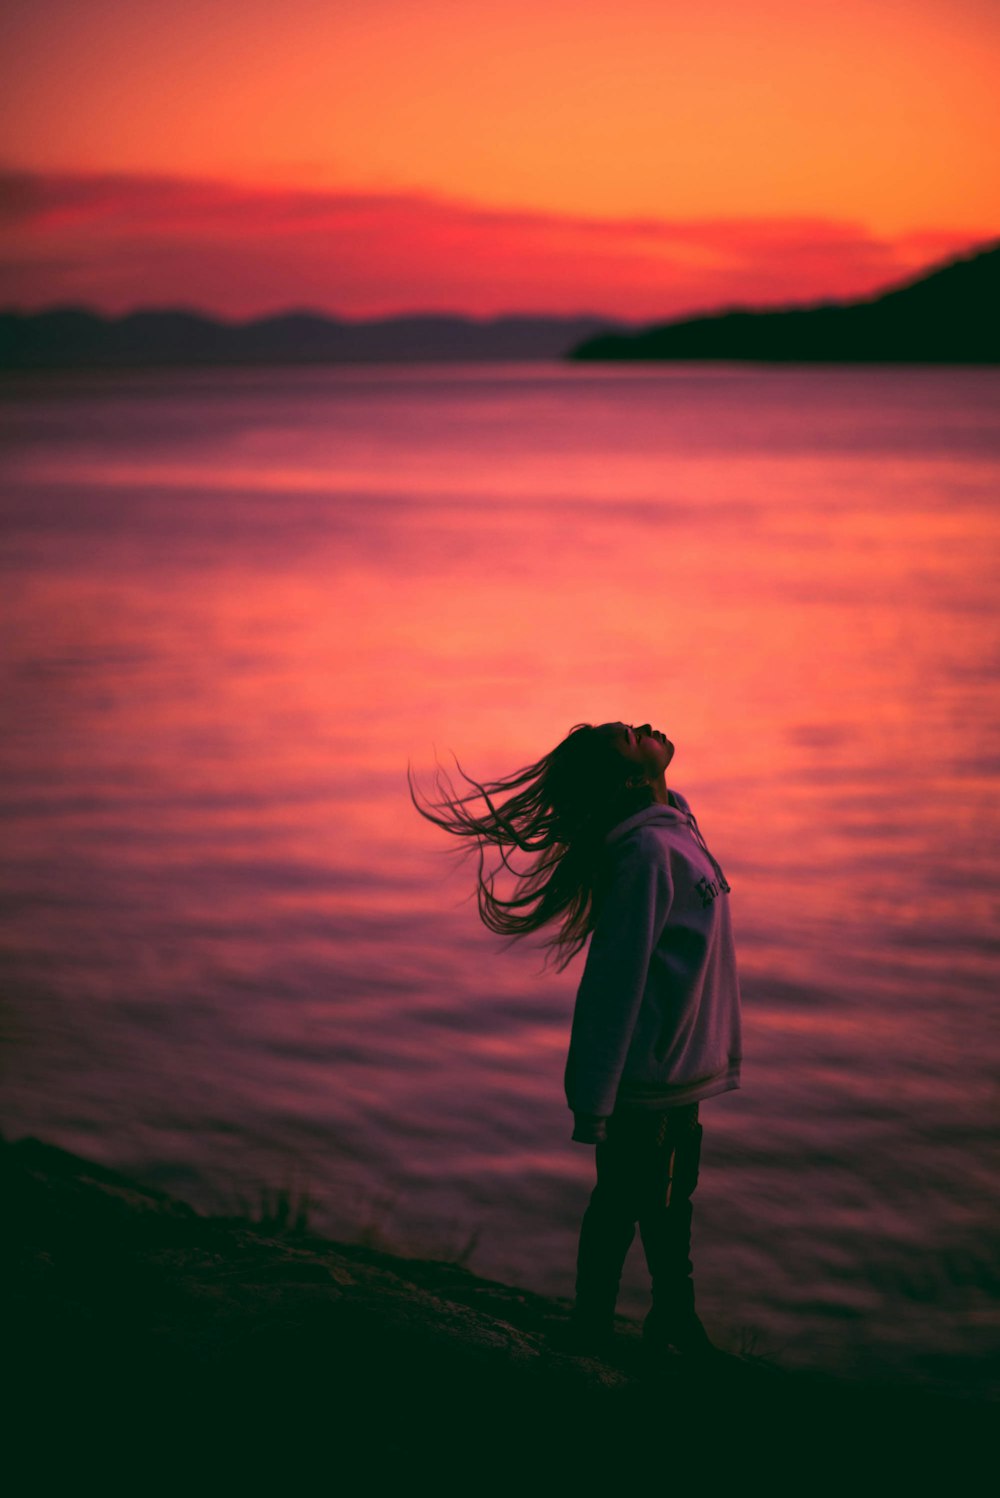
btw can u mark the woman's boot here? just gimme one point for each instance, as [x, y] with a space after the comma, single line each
[666, 1238]
[606, 1234]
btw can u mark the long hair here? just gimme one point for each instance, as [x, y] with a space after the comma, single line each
[557, 811]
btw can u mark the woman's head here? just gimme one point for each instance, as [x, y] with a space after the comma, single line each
[558, 811]
[646, 750]
[596, 775]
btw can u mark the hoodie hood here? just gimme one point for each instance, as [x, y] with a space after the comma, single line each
[675, 817]
[656, 815]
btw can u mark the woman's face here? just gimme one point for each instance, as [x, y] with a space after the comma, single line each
[645, 747]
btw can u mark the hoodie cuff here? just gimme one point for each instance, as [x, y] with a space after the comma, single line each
[589, 1128]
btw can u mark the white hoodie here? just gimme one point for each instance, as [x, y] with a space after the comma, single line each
[657, 1017]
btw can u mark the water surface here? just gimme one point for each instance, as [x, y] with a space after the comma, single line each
[236, 603]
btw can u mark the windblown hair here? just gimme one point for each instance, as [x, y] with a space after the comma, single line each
[558, 811]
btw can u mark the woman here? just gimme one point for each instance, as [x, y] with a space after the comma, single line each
[618, 857]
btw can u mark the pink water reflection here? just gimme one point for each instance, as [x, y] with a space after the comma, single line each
[236, 950]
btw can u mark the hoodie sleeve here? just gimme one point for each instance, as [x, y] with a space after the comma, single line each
[632, 917]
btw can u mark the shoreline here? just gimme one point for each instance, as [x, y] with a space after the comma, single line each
[115, 1282]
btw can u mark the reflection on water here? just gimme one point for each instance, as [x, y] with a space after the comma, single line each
[236, 604]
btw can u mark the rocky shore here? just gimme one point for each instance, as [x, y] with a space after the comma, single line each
[122, 1296]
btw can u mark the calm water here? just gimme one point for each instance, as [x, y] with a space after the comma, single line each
[233, 959]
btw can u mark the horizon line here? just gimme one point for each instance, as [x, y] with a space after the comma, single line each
[411, 314]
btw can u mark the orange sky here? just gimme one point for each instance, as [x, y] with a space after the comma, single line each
[381, 155]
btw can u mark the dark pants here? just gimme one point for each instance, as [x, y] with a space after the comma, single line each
[647, 1170]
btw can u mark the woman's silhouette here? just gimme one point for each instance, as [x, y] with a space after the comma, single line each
[614, 855]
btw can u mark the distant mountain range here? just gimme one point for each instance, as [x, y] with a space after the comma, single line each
[70, 337]
[950, 316]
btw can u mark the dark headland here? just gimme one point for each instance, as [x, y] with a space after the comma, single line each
[122, 1297]
[950, 316]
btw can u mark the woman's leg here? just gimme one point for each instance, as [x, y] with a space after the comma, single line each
[625, 1162]
[665, 1226]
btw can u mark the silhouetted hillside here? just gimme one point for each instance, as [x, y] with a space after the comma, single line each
[119, 1299]
[72, 337]
[951, 316]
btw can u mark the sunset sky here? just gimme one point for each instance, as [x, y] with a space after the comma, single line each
[377, 156]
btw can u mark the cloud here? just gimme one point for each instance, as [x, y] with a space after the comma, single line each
[117, 241]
